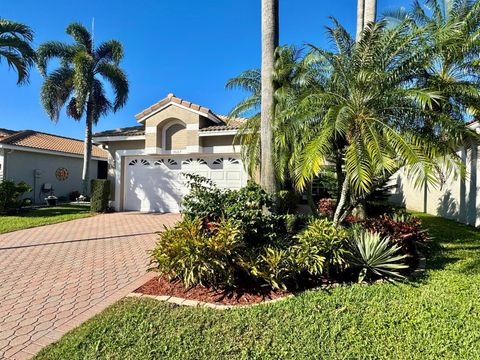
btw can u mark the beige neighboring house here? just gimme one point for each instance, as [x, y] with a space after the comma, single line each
[457, 199]
[50, 164]
[147, 162]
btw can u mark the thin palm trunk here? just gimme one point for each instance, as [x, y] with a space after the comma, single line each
[87, 157]
[360, 18]
[270, 38]
[341, 203]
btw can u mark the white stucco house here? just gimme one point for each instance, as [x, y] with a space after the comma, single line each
[457, 199]
[173, 137]
[50, 164]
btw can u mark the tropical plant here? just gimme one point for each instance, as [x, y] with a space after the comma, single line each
[294, 74]
[449, 29]
[196, 255]
[374, 115]
[269, 265]
[375, 256]
[77, 83]
[16, 48]
[320, 247]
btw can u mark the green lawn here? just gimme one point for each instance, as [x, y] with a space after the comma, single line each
[43, 216]
[437, 317]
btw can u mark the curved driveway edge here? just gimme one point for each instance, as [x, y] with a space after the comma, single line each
[54, 277]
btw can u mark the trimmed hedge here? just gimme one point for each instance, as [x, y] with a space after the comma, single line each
[100, 195]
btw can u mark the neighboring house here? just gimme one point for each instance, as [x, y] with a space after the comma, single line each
[147, 162]
[50, 164]
[457, 199]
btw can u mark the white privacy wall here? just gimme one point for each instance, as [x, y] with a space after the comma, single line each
[457, 199]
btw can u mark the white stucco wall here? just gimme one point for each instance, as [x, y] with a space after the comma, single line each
[457, 199]
[20, 166]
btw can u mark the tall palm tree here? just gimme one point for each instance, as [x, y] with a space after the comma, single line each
[77, 83]
[270, 38]
[16, 48]
[376, 113]
[366, 13]
[370, 11]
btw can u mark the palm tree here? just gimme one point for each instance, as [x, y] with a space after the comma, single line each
[376, 115]
[270, 40]
[293, 74]
[77, 83]
[450, 31]
[16, 49]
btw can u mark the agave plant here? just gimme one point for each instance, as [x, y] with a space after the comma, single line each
[375, 255]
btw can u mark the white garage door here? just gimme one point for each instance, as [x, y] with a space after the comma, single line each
[158, 184]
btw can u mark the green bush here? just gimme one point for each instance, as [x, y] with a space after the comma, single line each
[375, 256]
[100, 195]
[269, 265]
[321, 247]
[199, 254]
[10, 194]
[246, 206]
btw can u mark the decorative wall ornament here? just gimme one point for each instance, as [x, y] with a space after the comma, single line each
[61, 174]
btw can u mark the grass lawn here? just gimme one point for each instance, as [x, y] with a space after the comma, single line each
[437, 317]
[43, 216]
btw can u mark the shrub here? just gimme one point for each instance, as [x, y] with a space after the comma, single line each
[402, 229]
[375, 256]
[100, 195]
[10, 194]
[286, 201]
[269, 265]
[206, 201]
[199, 254]
[326, 207]
[320, 248]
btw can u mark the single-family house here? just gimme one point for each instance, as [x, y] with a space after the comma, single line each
[147, 162]
[50, 164]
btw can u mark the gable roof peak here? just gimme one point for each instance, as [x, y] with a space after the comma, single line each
[171, 99]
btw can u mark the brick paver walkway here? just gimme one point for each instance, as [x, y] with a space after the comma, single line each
[53, 278]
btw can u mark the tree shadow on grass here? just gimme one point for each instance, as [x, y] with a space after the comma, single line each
[452, 243]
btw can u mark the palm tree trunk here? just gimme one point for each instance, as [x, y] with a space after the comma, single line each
[87, 155]
[341, 203]
[370, 11]
[360, 18]
[269, 44]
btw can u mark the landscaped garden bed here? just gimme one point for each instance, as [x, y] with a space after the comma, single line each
[240, 247]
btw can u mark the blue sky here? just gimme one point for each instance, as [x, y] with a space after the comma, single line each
[190, 48]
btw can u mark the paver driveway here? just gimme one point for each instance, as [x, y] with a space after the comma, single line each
[54, 277]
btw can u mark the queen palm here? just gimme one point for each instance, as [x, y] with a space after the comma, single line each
[78, 83]
[376, 114]
[16, 49]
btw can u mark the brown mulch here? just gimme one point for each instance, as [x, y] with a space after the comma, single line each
[162, 286]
